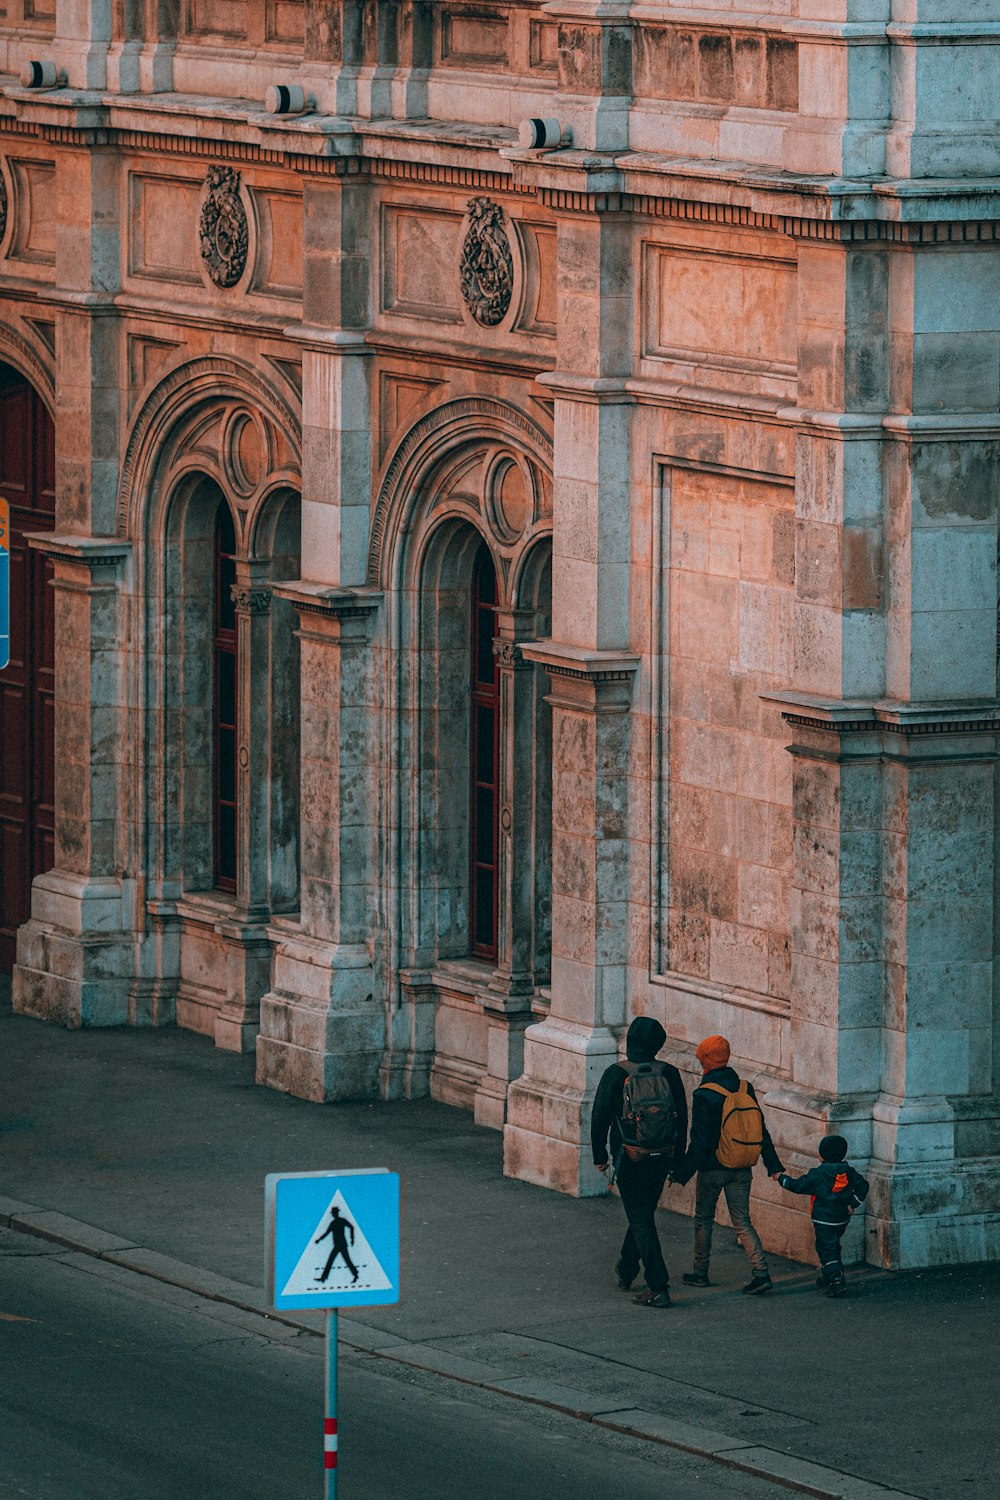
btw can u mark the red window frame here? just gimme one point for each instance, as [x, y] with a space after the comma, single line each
[225, 680]
[484, 756]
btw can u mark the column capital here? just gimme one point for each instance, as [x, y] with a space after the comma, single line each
[336, 614]
[887, 715]
[250, 601]
[600, 681]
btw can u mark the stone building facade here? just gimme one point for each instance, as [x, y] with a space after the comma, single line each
[487, 593]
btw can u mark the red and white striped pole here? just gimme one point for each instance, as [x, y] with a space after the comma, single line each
[330, 1416]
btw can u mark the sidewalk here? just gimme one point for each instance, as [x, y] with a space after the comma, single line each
[162, 1142]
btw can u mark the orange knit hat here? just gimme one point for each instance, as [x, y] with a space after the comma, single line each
[713, 1052]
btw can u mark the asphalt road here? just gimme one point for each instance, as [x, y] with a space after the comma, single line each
[113, 1384]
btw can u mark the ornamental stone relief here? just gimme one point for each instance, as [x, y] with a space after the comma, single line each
[3, 203]
[223, 229]
[487, 266]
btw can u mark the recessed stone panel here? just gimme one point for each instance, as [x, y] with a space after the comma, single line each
[223, 18]
[474, 37]
[163, 228]
[34, 235]
[285, 21]
[402, 398]
[734, 308]
[543, 43]
[279, 223]
[420, 256]
[722, 606]
[752, 69]
[538, 253]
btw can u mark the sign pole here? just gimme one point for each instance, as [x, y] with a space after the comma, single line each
[330, 1410]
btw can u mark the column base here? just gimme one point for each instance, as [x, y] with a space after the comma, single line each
[547, 1134]
[405, 1070]
[74, 964]
[321, 1033]
[504, 1062]
[248, 974]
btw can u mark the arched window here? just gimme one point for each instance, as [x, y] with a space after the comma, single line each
[484, 747]
[224, 766]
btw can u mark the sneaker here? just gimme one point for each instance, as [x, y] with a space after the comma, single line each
[759, 1284]
[837, 1287]
[696, 1278]
[649, 1298]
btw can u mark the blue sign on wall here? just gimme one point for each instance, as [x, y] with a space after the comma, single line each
[332, 1238]
[4, 583]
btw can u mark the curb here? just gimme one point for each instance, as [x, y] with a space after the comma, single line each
[734, 1452]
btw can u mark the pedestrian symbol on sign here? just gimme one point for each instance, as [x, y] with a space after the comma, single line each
[338, 1257]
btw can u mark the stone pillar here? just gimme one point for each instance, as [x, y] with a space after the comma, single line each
[546, 1139]
[928, 1205]
[507, 1004]
[83, 36]
[322, 1034]
[74, 955]
[548, 1114]
[143, 41]
[248, 948]
[75, 949]
[595, 72]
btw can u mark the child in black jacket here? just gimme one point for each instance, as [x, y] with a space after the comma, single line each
[837, 1190]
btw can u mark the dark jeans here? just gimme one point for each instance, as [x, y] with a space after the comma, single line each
[828, 1238]
[640, 1184]
[735, 1183]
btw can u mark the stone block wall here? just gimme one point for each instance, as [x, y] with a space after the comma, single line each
[722, 399]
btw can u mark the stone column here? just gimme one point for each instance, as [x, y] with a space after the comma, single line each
[547, 1135]
[248, 947]
[143, 41]
[595, 72]
[322, 1034]
[546, 1139]
[76, 947]
[507, 1004]
[83, 36]
[73, 955]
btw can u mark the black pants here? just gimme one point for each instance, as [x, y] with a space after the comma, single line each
[640, 1184]
[828, 1238]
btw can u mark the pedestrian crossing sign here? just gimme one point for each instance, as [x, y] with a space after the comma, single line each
[332, 1238]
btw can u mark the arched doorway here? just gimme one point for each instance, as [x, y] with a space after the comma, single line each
[27, 688]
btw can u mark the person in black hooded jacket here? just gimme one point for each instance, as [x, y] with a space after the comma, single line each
[640, 1181]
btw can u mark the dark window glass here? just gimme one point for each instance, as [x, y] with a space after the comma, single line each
[483, 800]
[224, 705]
[485, 730]
[485, 909]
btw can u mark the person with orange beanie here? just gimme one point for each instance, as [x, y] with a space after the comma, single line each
[718, 1106]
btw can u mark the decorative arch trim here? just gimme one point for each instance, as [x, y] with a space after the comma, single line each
[209, 378]
[425, 445]
[18, 353]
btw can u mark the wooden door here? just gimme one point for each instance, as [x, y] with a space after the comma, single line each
[27, 687]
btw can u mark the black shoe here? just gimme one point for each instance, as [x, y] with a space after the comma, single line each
[837, 1287]
[624, 1282]
[759, 1284]
[649, 1298]
[696, 1278]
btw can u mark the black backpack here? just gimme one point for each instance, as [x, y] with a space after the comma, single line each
[649, 1122]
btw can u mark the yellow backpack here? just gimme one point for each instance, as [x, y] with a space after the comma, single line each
[742, 1134]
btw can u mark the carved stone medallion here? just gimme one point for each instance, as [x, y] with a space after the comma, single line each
[223, 228]
[487, 272]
